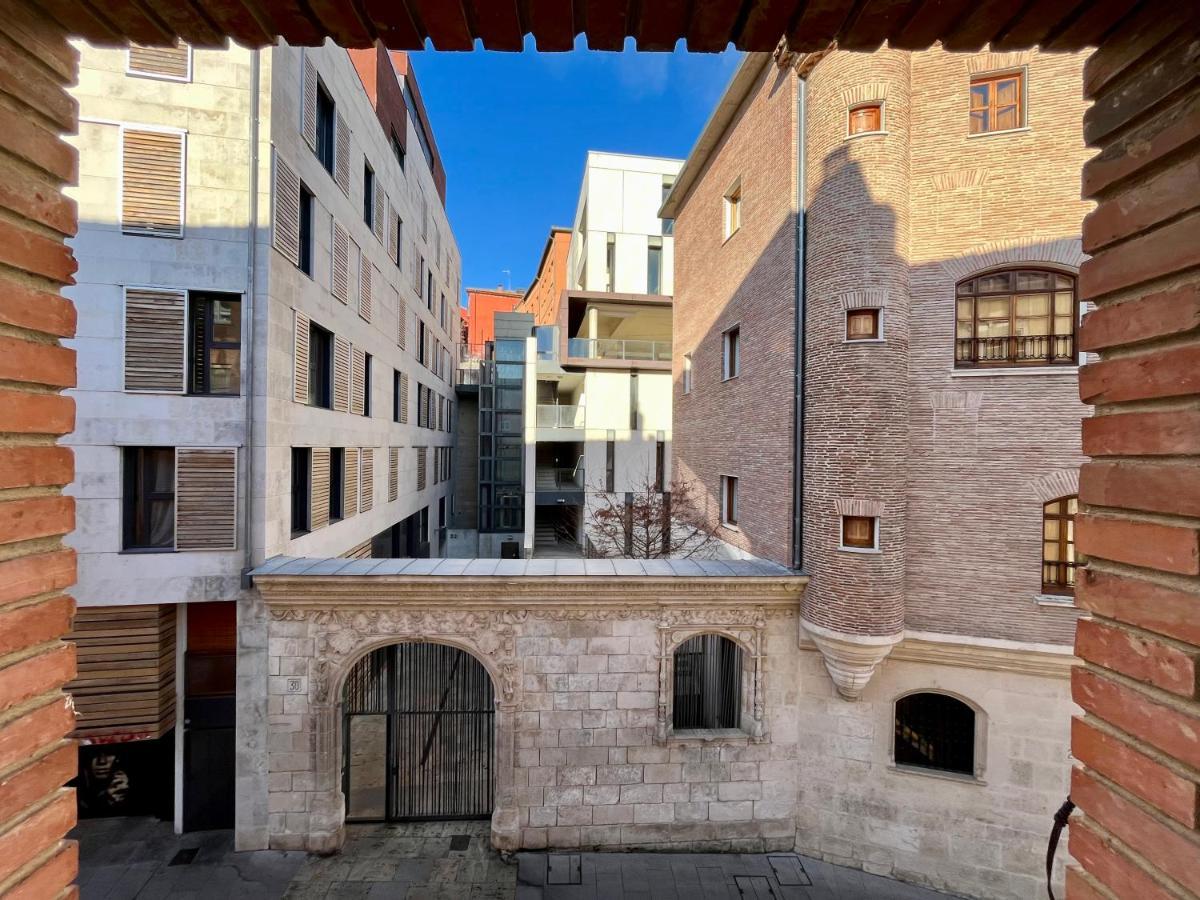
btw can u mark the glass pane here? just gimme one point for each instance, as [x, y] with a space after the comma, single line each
[979, 121]
[1063, 303]
[1033, 305]
[993, 328]
[1006, 92]
[1050, 551]
[367, 794]
[226, 321]
[1070, 553]
[994, 308]
[994, 284]
[1032, 326]
[1054, 508]
[1006, 117]
[224, 371]
[967, 287]
[1073, 505]
[979, 96]
[1062, 325]
[1033, 281]
[1050, 529]
[965, 330]
[1062, 281]
[964, 309]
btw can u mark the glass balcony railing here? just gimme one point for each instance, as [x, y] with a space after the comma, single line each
[608, 348]
[553, 416]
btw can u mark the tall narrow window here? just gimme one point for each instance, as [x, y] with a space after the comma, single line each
[368, 194]
[934, 731]
[398, 150]
[687, 373]
[668, 182]
[866, 119]
[306, 230]
[320, 367]
[860, 532]
[733, 209]
[337, 482]
[148, 498]
[1058, 546]
[366, 384]
[634, 411]
[429, 290]
[997, 103]
[326, 114]
[610, 465]
[708, 683]
[654, 252]
[729, 500]
[731, 356]
[301, 489]
[214, 344]
[610, 263]
[660, 464]
[1017, 317]
[395, 396]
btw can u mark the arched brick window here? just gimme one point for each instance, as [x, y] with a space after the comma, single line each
[1015, 317]
[935, 731]
[708, 683]
[1058, 546]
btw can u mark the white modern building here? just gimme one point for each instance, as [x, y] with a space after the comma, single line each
[267, 290]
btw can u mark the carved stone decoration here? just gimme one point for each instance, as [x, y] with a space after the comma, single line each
[851, 659]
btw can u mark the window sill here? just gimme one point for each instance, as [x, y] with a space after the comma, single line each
[1000, 371]
[729, 236]
[863, 134]
[902, 769]
[730, 526]
[708, 735]
[136, 551]
[866, 550]
[986, 134]
[725, 378]
[154, 76]
[1063, 601]
[137, 232]
[864, 340]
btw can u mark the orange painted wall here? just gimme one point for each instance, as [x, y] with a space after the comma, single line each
[482, 306]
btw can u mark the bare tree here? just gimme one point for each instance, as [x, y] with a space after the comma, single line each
[649, 522]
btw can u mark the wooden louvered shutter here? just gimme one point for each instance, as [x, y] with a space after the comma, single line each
[341, 159]
[358, 359]
[155, 329]
[420, 468]
[350, 485]
[401, 323]
[308, 112]
[393, 473]
[403, 399]
[340, 277]
[364, 287]
[366, 482]
[381, 211]
[420, 405]
[441, 414]
[341, 374]
[206, 498]
[152, 182]
[166, 62]
[437, 462]
[285, 228]
[300, 362]
[318, 495]
[393, 237]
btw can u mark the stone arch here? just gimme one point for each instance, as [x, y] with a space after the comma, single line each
[865, 93]
[871, 298]
[846, 506]
[980, 63]
[338, 679]
[979, 757]
[1055, 484]
[1064, 253]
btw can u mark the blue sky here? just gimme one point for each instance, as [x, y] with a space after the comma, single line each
[513, 129]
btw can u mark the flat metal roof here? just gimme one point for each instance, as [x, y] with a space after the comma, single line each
[523, 568]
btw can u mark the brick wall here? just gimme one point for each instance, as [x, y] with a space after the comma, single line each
[1136, 781]
[36, 65]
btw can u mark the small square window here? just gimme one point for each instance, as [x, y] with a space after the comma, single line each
[862, 325]
[860, 532]
[997, 103]
[733, 210]
[866, 119]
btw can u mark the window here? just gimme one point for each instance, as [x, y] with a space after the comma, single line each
[396, 396]
[729, 500]
[708, 683]
[668, 182]
[862, 325]
[733, 209]
[654, 252]
[326, 128]
[610, 465]
[152, 178]
[866, 119]
[935, 731]
[429, 290]
[687, 373]
[421, 342]
[610, 263]
[397, 150]
[301, 488]
[172, 63]
[320, 366]
[1058, 546]
[306, 231]
[368, 194]
[1017, 317]
[366, 385]
[214, 344]
[860, 532]
[731, 353]
[997, 103]
[148, 498]
[337, 482]
[399, 243]
[660, 464]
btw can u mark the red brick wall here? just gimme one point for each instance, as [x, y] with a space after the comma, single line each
[544, 296]
[1136, 745]
[482, 306]
[36, 65]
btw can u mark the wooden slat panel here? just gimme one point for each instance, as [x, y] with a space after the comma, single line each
[403, 398]
[308, 112]
[319, 495]
[350, 487]
[359, 362]
[366, 493]
[206, 498]
[421, 468]
[401, 323]
[341, 374]
[359, 551]
[152, 182]
[285, 227]
[169, 62]
[155, 323]
[340, 284]
[393, 473]
[365, 286]
[421, 419]
[341, 158]
[125, 681]
[393, 236]
[300, 359]
[381, 211]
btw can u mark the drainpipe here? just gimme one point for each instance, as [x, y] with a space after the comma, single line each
[798, 337]
[248, 318]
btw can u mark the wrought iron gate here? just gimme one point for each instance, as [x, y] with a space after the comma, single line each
[418, 735]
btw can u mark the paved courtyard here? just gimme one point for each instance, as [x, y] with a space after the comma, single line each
[123, 859]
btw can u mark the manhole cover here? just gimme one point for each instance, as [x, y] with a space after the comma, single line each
[564, 868]
[789, 870]
[460, 842]
[184, 857]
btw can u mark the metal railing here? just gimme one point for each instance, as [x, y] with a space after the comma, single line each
[469, 364]
[1048, 349]
[559, 478]
[609, 348]
[553, 416]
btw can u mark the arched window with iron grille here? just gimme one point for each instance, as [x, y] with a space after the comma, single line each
[708, 683]
[935, 731]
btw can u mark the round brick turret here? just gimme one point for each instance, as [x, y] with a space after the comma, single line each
[857, 238]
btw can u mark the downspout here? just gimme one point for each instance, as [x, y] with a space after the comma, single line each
[798, 335]
[248, 315]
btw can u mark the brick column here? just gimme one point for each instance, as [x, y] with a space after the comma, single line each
[36, 65]
[1137, 746]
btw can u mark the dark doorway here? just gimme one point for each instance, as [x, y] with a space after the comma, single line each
[419, 735]
[208, 716]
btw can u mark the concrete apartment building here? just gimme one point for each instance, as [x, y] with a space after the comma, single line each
[934, 319]
[267, 284]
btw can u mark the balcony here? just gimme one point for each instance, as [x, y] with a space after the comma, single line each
[612, 349]
[551, 415]
[1022, 350]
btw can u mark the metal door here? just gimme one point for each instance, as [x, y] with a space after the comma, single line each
[419, 735]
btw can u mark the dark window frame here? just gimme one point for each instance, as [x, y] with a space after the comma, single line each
[610, 466]
[707, 682]
[137, 497]
[1063, 570]
[301, 491]
[337, 483]
[326, 147]
[1057, 348]
[201, 341]
[320, 367]
[730, 498]
[307, 204]
[366, 385]
[368, 194]
[731, 352]
[936, 732]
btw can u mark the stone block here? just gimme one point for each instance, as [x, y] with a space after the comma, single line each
[648, 753]
[574, 815]
[563, 796]
[739, 790]
[602, 700]
[617, 681]
[553, 756]
[575, 737]
[619, 775]
[601, 794]
[533, 838]
[565, 837]
[744, 771]
[594, 718]
[636, 700]
[612, 815]
[679, 792]
[572, 700]
[650, 813]
[586, 756]
[641, 793]
[730, 811]
[691, 812]
[662, 773]
[577, 775]
[632, 664]
[541, 776]
[560, 719]
[591, 665]
[600, 836]
[634, 737]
